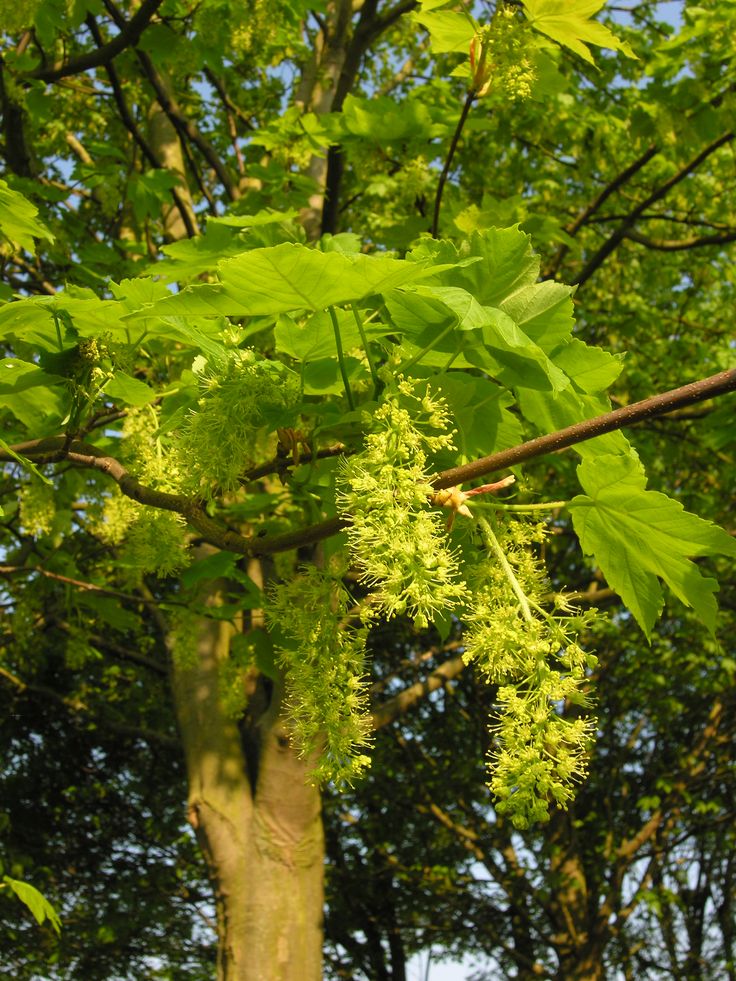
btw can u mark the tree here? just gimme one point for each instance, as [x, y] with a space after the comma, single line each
[277, 434]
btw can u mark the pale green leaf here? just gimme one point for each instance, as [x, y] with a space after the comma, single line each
[493, 265]
[525, 363]
[32, 319]
[129, 390]
[449, 30]
[568, 22]
[290, 277]
[18, 221]
[17, 375]
[194, 256]
[591, 368]
[480, 412]
[294, 277]
[36, 903]
[25, 462]
[544, 311]
[249, 221]
[639, 537]
[315, 338]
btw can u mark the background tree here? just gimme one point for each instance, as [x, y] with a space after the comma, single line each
[129, 125]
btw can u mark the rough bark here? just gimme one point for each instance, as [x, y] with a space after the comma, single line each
[580, 937]
[167, 146]
[319, 83]
[258, 823]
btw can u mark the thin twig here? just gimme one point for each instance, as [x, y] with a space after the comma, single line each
[469, 98]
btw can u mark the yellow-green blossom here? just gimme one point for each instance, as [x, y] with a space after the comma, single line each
[398, 542]
[325, 666]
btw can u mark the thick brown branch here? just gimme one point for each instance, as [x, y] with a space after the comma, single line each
[54, 449]
[128, 37]
[677, 398]
[282, 464]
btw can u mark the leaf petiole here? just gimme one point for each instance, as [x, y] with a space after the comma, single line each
[341, 357]
[364, 341]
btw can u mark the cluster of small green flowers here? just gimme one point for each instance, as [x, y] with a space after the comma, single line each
[156, 542]
[22, 624]
[37, 507]
[540, 752]
[114, 518]
[399, 544]
[241, 403]
[325, 668]
[182, 637]
[14, 16]
[152, 541]
[231, 677]
[498, 60]
[144, 453]
[244, 27]
[541, 755]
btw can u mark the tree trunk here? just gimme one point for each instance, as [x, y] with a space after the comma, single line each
[580, 938]
[257, 820]
[586, 964]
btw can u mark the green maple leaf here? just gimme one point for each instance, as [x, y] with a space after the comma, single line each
[450, 30]
[35, 901]
[288, 277]
[18, 220]
[569, 23]
[639, 537]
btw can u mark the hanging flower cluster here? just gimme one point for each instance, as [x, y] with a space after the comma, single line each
[498, 57]
[242, 401]
[324, 660]
[397, 540]
[541, 741]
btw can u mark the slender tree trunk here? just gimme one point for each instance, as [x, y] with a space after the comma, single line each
[258, 823]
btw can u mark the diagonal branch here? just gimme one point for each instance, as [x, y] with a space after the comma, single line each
[656, 405]
[628, 223]
[57, 448]
[130, 124]
[680, 244]
[587, 213]
[406, 699]
[370, 27]
[128, 36]
[185, 126]
[78, 707]
[170, 106]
